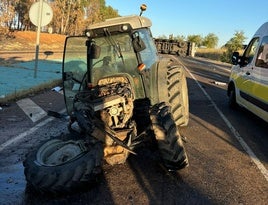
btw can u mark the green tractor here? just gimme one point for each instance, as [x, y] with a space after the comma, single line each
[118, 92]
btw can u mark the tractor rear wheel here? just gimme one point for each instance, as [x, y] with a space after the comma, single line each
[63, 166]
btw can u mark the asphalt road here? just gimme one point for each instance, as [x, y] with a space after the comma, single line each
[227, 151]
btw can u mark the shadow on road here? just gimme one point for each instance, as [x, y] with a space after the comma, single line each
[140, 181]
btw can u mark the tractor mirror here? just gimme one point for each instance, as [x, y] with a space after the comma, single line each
[138, 44]
[93, 50]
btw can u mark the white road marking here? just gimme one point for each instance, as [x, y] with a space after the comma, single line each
[251, 154]
[31, 109]
[26, 133]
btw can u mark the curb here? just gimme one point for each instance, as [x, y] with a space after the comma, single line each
[23, 93]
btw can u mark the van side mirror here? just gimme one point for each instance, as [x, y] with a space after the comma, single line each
[235, 58]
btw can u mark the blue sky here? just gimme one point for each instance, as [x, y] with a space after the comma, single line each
[199, 17]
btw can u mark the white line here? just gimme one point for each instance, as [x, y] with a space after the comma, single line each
[32, 110]
[27, 132]
[251, 154]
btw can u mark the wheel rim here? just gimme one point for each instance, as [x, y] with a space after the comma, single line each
[57, 152]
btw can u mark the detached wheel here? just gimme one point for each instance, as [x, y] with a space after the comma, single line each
[168, 138]
[175, 92]
[60, 166]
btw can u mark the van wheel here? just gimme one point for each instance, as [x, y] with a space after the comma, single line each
[232, 97]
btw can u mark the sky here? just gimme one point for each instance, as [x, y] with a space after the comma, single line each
[199, 17]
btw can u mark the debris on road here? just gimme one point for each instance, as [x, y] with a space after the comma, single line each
[57, 89]
[218, 83]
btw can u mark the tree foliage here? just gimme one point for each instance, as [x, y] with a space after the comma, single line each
[210, 41]
[162, 37]
[234, 44]
[197, 39]
[7, 14]
[69, 16]
[180, 38]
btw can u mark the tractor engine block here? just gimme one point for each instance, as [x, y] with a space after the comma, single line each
[113, 101]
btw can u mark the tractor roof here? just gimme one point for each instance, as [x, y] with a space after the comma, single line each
[134, 21]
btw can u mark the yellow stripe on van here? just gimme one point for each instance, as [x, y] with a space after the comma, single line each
[253, 88]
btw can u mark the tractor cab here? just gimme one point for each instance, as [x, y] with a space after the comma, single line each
[118, 46]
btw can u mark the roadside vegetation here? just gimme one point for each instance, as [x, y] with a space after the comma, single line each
[70, 17]
[210, 53]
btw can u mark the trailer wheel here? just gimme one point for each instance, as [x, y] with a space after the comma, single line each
[182, 44]
[63, 166]
[168, 138]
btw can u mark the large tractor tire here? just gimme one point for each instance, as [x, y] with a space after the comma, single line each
[63, 166]
[175, 92]
[168, 138]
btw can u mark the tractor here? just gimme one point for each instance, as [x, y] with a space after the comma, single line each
[118, 93]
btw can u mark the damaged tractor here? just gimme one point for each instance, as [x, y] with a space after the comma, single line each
[118, 91]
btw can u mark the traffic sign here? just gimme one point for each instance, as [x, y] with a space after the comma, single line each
[45, 13]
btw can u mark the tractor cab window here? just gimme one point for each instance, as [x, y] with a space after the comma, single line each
[149, 54]
[116, 56]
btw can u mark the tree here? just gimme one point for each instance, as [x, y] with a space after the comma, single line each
[7, 14]
[73, 16]
[109, 12]
[162, 37]
[234, 44]
[210, 41]
[180, 38]
[197, 39]
[69, 16]
[22, 8]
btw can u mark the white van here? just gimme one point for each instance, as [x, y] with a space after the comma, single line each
[248, 83]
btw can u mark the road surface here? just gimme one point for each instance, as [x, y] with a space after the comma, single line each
[227, 151]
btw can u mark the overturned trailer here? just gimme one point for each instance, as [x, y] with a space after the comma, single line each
[174, 47]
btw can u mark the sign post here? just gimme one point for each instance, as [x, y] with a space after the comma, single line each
[40, 15]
